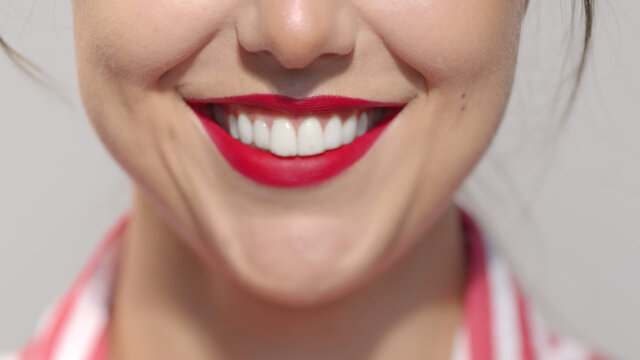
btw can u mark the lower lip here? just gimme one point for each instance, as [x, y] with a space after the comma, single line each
[296, 171]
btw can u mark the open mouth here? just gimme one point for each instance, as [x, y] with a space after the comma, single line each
[294, 135]
[281, 141]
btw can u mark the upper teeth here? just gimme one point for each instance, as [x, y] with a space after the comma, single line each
[300, 136]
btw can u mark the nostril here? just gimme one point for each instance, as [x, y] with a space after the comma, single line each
[296, 32]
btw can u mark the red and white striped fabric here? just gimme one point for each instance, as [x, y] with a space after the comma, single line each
[498, 322]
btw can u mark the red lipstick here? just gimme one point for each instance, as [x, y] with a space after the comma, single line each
[273, 170]
[290, 105]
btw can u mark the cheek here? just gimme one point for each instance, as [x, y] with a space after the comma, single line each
[449, 40]
[142, 39]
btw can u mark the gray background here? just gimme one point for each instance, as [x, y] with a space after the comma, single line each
[562, 202]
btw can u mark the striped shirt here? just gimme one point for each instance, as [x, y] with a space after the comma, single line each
[498, 322]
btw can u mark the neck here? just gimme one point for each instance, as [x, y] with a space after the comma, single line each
[169, 304]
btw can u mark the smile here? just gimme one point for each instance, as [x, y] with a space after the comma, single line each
[287, 142]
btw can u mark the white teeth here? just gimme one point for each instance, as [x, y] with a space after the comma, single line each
[261, 136]
[283, 138]
[245, 129]
[349, 130]
[362, 125]
[233, 127]
[333, 133]
[310, 137]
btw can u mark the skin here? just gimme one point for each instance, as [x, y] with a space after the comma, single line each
[367, 265]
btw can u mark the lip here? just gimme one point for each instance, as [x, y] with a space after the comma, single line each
[291, 105]
[268, 169]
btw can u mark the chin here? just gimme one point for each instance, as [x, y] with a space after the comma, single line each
[301, 261]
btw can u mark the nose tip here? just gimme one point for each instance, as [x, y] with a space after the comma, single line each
[296, 32]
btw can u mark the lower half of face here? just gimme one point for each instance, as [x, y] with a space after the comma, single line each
[299, 144]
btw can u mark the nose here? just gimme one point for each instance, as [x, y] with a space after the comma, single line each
[296, 32]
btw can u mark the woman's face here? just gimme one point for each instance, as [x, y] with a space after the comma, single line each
[448, 64]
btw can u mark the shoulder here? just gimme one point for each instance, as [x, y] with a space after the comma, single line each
[75, 325]
[502, 321]
[538, 340]
[552, 344]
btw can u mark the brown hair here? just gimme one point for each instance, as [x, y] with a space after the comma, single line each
[29, 68]
[586, 46]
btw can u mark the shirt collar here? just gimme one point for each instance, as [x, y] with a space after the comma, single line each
[497, 325]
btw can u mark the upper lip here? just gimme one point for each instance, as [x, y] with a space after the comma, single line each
[287, 104]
